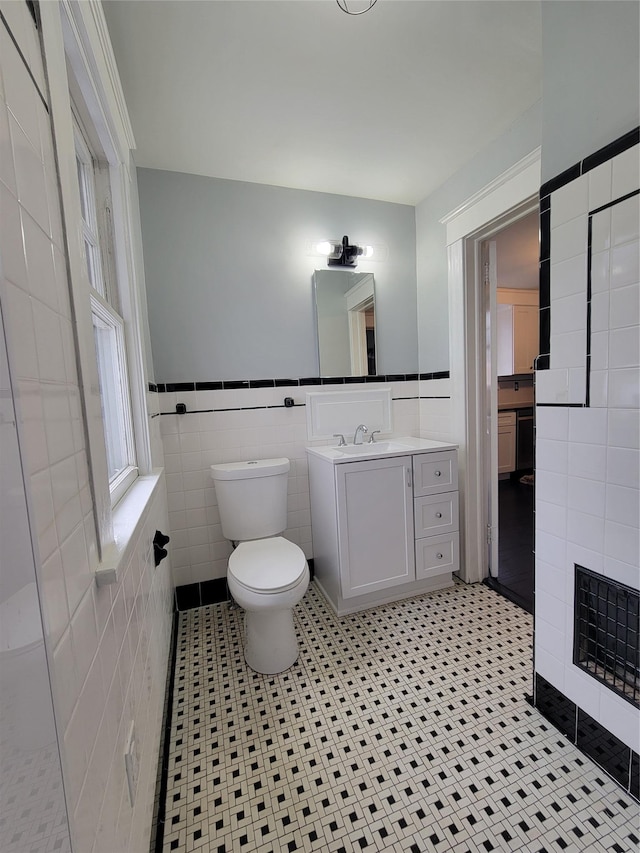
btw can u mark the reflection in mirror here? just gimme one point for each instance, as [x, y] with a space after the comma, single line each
[345, 321]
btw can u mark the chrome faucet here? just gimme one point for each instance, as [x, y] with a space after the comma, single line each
[360, 428]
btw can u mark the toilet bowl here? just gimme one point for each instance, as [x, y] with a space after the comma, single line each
[267, 575]
[267, 578]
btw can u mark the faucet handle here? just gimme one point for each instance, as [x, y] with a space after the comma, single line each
[342, 442]
[372, 436]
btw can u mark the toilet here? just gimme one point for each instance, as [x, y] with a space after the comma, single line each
[267, 575]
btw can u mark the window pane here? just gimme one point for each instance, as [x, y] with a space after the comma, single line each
[81, 184]
[111, 392]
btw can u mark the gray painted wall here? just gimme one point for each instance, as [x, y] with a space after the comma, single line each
[229, 273]
[431, 243]
[590, 78]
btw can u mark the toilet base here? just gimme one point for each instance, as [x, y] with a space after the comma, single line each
[271, 645]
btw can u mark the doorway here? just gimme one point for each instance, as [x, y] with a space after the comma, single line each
[509, 197]
[511, 303]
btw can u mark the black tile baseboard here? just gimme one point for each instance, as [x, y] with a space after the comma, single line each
[606, 750]
[200, 594]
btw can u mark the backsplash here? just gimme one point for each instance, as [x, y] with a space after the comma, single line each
[515, 392]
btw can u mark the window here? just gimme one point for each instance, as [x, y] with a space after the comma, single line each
[108, 324]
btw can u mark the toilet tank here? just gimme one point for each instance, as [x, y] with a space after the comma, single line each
[252, 498]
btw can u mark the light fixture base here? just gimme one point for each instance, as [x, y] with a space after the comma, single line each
[343, 4]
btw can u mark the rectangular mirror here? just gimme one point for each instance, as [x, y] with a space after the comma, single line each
[345, 322]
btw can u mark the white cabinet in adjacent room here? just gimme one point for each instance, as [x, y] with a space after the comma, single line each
[517, 332]
[506, 442]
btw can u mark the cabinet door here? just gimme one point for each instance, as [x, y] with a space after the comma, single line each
[506, 448]
[375, 525]
[525, 337]
[505, 340]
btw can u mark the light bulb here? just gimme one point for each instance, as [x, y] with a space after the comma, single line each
[324, 248]
[368, 251]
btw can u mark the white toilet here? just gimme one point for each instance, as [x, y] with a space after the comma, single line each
[267, 575]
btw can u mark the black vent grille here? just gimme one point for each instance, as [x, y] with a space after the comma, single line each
[606, 633]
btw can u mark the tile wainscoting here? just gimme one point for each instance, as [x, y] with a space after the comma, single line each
[249, 419]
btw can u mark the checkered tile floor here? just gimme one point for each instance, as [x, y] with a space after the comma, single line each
[403, 728]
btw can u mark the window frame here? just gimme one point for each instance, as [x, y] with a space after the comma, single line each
[95, 208]
[81, 69]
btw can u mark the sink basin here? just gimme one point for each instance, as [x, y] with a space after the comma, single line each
[369, 449]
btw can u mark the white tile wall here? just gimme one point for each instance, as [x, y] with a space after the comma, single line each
[193, 442]
[588, 459]
[109, 652]
[435, 414]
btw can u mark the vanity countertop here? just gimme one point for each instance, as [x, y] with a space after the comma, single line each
[509, 407]
[405, 445]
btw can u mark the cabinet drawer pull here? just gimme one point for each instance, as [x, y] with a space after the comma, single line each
[439, 556]
[438, 515]
[438, 473]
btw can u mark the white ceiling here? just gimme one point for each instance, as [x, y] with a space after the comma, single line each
[295, 93]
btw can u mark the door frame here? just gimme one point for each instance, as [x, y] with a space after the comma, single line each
[513, 194]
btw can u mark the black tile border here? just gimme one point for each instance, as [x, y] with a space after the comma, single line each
[634, 788]
[165, 744]
[214, 591]
[604, 748]
[236, 384]
[556, 707]
[560, 180]
[187, 596]
[191, 595]
[180, 386]
[618, 146]
[595, 741]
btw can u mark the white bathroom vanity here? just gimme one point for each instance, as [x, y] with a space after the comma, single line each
[384, 520]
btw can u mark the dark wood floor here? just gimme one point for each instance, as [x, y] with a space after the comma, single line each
[515, 549]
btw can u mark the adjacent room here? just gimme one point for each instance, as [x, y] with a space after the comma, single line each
[320, 371]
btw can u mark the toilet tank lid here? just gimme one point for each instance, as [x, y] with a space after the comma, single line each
[252, 468]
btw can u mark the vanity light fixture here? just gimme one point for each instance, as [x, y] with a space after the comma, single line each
[345, 8]
[343, 254]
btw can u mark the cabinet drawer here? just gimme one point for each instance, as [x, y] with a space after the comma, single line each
[436, 514]
[437, 555]
[434, 473]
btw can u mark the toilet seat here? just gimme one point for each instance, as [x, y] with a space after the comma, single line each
[268, 566]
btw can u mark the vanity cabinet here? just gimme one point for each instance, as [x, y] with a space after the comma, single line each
[383, 528]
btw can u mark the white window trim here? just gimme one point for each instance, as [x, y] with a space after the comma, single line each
[77, 30]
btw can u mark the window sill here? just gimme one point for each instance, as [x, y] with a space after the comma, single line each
[128, 517]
